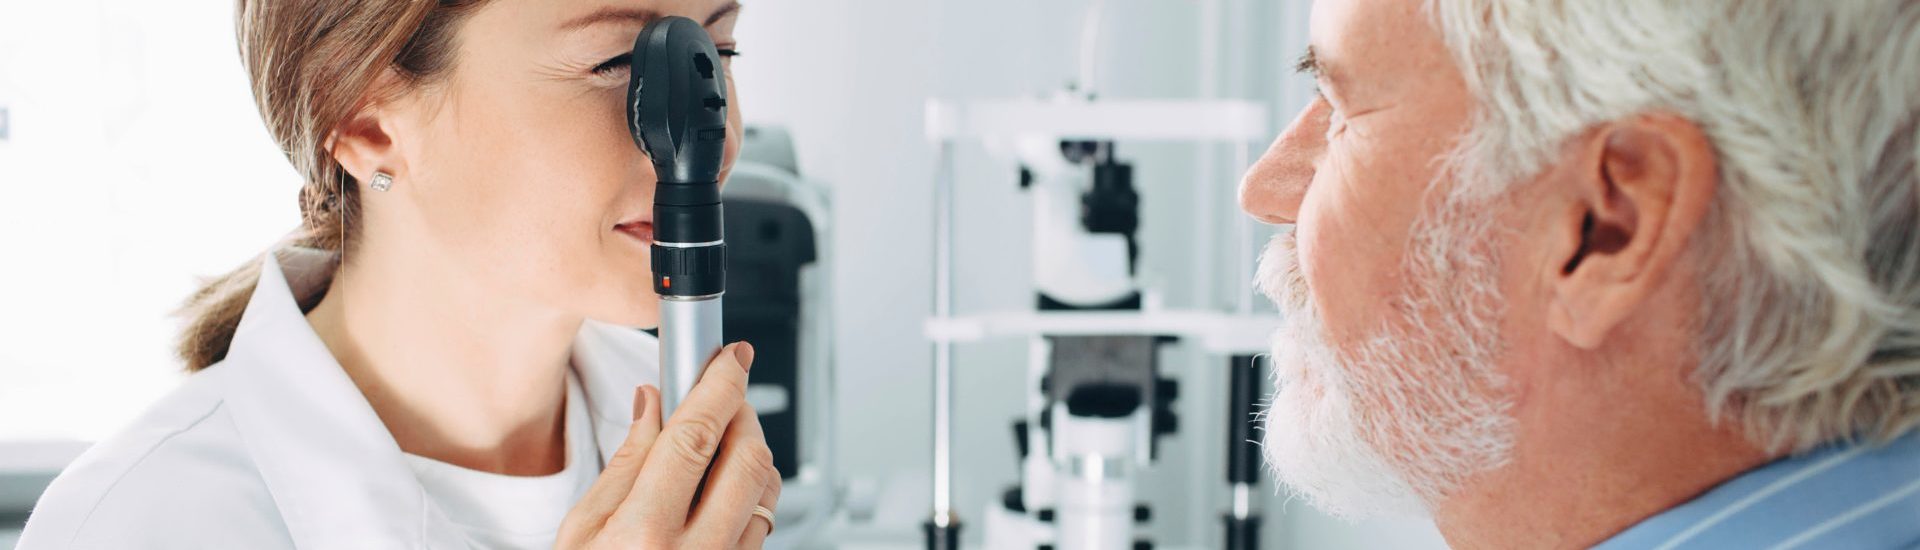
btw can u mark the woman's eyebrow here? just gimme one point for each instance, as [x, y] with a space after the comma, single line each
[731, 8]
[639, 15]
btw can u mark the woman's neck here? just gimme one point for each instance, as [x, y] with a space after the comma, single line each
[456, 373]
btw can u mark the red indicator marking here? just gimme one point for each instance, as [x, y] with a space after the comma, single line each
[666, 282]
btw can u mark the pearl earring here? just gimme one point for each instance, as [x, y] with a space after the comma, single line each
[381, 182]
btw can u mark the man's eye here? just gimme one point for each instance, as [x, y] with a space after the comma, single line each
[729, 52]
[622, 62]
[1336, 123]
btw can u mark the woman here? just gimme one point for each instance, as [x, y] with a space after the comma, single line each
[440, 358]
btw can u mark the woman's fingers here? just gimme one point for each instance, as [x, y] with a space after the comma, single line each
[663, 494]
[758, 529]
[617, 478]
[740, 478]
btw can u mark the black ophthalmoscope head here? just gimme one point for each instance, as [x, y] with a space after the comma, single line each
[677, 113]
[677, 101]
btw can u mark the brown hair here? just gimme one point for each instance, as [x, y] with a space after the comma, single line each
[313, 64]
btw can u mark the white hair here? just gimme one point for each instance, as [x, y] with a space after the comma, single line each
[1809, 330]
[1398, 420]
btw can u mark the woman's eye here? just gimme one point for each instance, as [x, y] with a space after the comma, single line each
[622, 62]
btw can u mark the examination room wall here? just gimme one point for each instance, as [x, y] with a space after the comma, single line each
[136, 163]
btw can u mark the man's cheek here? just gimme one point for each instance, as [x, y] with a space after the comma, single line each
[1318, 235]
[1307, 228]
[1334, 259]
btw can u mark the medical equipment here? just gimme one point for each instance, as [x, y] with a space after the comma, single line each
[1096, 397]
[1093, 425]
[1244, 394]
[677, 113]
[778, 255]
[1097, 400]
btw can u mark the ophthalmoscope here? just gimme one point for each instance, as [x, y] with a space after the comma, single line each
[677, 112]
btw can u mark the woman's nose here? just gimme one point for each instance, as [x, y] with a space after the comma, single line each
[1274, 186]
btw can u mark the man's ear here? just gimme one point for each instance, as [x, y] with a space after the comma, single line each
[1639, 188]
[363, 142]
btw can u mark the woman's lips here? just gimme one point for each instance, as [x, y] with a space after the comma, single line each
[643, 231]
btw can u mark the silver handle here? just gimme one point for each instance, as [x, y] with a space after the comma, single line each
[689, 338]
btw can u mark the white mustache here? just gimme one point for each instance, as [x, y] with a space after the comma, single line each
[1280, 278]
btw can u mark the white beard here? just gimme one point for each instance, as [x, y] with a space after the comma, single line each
[1391, 425]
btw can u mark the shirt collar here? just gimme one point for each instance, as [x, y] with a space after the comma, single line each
[1833, 495]
[335, 472]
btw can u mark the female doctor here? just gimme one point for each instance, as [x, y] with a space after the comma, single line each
[442, 358]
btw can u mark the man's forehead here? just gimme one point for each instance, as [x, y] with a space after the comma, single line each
[1350, 39]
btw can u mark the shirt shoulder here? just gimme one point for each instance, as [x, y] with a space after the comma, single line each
[178, 476]
[1848, 495]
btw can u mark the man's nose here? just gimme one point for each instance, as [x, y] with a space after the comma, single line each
[1274, 186]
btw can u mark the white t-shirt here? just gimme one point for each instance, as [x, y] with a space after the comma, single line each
[514, 512]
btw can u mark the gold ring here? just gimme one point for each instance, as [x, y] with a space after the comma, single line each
[765, 514]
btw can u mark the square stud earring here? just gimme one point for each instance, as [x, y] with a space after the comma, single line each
[381, 182]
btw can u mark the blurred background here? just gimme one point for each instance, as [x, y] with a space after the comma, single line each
[133, 163]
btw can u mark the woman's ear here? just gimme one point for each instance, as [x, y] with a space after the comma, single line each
[363, 142]
[1640, 188]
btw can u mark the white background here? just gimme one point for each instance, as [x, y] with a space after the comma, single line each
[136, 164]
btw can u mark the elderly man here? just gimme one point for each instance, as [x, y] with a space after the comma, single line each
[1625, 273]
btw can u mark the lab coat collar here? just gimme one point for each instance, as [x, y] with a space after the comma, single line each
[611, 362]
[335, 472]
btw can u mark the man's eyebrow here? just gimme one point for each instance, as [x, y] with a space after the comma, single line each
[639, 15]
[1309, 64]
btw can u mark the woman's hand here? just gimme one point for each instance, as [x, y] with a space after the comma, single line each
[645, 496]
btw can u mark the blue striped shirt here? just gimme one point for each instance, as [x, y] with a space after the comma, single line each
[1848, 496]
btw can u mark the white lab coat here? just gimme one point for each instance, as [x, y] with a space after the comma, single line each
[275, 447]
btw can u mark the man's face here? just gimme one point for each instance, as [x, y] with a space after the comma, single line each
[1390, 292]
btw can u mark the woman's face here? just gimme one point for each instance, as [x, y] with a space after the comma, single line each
[519, 165]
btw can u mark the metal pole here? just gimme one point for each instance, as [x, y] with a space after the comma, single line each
[1242, 521]
[943, 529]
[1244, 380]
